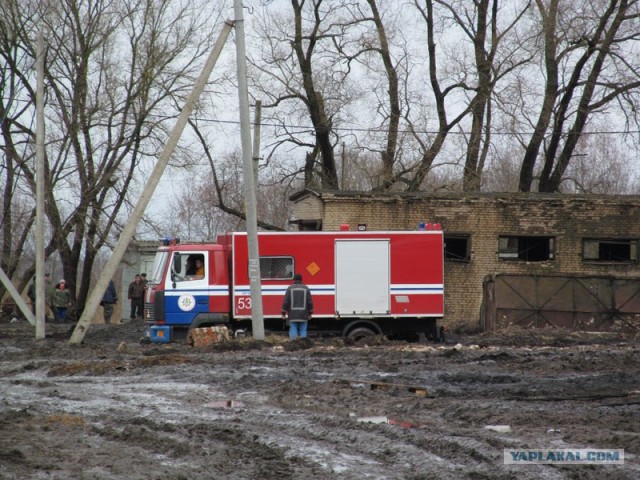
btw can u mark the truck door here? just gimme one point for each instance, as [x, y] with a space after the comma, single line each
[362, 277]
[187, 287]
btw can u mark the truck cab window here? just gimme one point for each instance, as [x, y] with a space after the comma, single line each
[188, 267]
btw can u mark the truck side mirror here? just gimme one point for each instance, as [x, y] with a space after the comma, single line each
[177, 265]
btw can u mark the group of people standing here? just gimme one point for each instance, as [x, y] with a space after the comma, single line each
[56, 297]
[135, 295]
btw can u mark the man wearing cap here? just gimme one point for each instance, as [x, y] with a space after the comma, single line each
[297, 305]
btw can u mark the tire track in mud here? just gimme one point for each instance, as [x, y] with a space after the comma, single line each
[472, 449]
[356, 450]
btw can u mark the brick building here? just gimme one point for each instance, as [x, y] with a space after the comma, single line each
[532, 260]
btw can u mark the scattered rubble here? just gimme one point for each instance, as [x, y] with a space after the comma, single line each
[113, 408]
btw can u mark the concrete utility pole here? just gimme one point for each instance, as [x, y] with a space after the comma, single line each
[40, 291]
[249, 188]
[143, 201]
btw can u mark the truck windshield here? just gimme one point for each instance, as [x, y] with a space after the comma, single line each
[159, 265]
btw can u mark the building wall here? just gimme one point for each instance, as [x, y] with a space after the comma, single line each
[308, 207]
[487, 216]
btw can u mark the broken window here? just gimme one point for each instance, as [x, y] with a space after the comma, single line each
[526, 248]
[457, 248]
[276, 268]
[603, 250]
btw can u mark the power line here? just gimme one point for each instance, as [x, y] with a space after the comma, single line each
[310, 128]
[383, 130]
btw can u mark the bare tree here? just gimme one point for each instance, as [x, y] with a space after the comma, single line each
[489, 29]
[303, 46]
[112, 71]
[430, 147]
[214, 203]
[591, 62]
[501, 172]
[18, 213]
[223, 190]
[469, 103]
[355, 170]
[601, 166]
[365, 39]
[298, 67]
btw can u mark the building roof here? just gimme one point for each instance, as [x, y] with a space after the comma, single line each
[328, 195]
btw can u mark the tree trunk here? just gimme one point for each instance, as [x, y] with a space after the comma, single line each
[315, 102]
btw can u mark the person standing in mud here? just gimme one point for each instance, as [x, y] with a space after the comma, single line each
[61, 301]
[136, 297]
[31, 293]
[49, 290]
[297, 306]
[109, 299]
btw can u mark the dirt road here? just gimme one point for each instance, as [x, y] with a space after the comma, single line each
[114, 409]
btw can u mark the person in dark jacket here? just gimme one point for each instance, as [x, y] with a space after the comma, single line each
[49, 290]
[31, 293]
[109, 299]
[136, 296]
[297, 305]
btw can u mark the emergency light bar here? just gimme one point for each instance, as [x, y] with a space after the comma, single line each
[167, 241]
[429, 226]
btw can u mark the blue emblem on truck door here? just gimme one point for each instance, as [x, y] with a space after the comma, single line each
[186, 303]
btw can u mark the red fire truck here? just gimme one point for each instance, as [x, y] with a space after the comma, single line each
[362, 282]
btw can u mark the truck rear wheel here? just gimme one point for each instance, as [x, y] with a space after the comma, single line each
[360, 333]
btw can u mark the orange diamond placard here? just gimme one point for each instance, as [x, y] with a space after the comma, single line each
[313, 268]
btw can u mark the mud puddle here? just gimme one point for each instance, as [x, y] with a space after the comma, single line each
[283, 411]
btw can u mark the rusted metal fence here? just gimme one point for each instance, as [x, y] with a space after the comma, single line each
[602, 304]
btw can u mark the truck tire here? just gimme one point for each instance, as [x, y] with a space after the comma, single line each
[360, 333]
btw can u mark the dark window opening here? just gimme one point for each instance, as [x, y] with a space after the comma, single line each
[276, 268]
[610, 250]
[457, 248]
[307, 225]
[529, 249]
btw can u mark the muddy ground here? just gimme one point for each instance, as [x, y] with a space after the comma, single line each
[112, 408]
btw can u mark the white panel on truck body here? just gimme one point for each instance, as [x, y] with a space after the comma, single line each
[362, 277]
